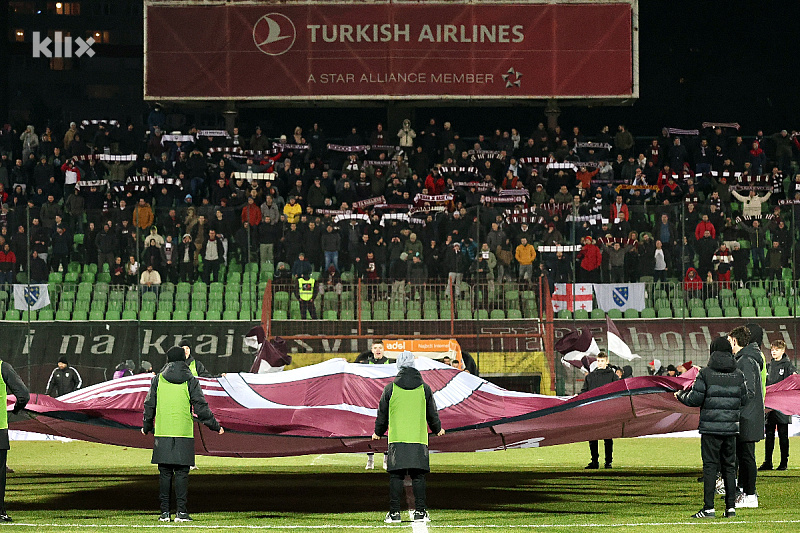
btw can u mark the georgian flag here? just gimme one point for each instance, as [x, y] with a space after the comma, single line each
[616, 344]
[579, 349]
[572, 296]
[31, 297]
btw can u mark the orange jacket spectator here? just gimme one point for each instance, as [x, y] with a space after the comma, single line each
[585, 177]
[251, 213]
[143, 215]
[525, 254]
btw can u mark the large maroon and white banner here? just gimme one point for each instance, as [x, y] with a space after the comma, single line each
[389, 50]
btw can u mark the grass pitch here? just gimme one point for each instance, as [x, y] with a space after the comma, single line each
[652, 488]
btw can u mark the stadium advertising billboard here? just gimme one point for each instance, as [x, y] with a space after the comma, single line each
[389, 50]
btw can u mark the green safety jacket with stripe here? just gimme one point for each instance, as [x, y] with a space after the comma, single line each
[11, 383]
[407, 409]
[174, 394]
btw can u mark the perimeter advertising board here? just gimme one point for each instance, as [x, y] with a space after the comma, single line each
[388, 50]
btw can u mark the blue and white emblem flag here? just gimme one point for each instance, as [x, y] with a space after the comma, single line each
[620, 296]
[31, 297]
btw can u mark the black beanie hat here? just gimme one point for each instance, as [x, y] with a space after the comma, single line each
[176, 353]
[63, 359]
[756, 333]
[720, 344]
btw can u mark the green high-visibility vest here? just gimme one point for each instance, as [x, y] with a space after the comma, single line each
[193, 368]
[407, 421]
[173, 410]
[3, 412]
[306, 289]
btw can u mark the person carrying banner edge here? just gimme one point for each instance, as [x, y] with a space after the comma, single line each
[173, 396]
[407, 409]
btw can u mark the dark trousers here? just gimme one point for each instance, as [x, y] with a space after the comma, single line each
[769, 439]
[3, 459]
[308, 308]
[609, 449]
[166, 475]
[211, 268]
[719, 455]
[186, 272]
[746, 459]
[396, 478]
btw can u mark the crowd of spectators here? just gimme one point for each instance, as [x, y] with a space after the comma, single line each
[418, 204]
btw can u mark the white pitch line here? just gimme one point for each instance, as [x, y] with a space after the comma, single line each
[413, 525]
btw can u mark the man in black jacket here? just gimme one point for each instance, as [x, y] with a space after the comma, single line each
[168, 410]
[602, 375]
[407, 405]
[751, 419]
[63, 380]
[720, 391]
[14, 385]
[779, 369]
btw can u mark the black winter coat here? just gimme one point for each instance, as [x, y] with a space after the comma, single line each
[176, 450]
[598, 377]
[720, 391]
[751, 420]
[403, 455]
[778, 371]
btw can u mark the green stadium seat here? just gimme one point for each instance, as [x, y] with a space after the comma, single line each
[430, 314]
[97, 315]
[197, 314]
[731, 312]
[664, 312]
[757, 292]
[88, 277]
[726, 293]
[614, 313]
[80, 315]
[71, 277]
[104, 277]
[90, 268]
[74, 267]
[128, 315]
[482, 314]
[163, 314]
[565, 314]
[662, 303]
[497, 314]
[45, 315]
[715, 312]
[762, 301]
[744, 301]
[778, 301]
[12, 314]
[695, 303]
[782, 311]
[748, 311]
[764, 311]
[216, 314]
[55, 277]
[396, 314]
[330, 315]
[631, 313]
[742, 293]
[597, 313]
[183, 287]
[234, 315]
[65, 305]
[579, 314]
[698, 312]
[63, 315]
[514, 314]
[648, 312]
[380, 314]
[113, 314]
[146, 314]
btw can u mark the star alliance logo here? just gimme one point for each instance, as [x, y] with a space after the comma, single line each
[512, 78]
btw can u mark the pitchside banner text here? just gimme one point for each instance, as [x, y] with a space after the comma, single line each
[404, 51]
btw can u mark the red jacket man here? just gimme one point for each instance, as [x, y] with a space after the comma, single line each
[251, 213]
[703, 226]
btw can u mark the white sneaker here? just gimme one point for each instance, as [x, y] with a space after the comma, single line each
[370, 463]
[744, 501]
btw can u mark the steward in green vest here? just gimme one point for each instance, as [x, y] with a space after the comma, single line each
[174, 394]
[407, 409]
[196, 367]
[306, 294]
[13, 384]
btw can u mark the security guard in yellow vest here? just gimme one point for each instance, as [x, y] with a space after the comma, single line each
[13, 384]
[306, 295]
[407, 409]
[174, 394]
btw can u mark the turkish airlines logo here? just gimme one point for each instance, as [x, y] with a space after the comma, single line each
[274, 34]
